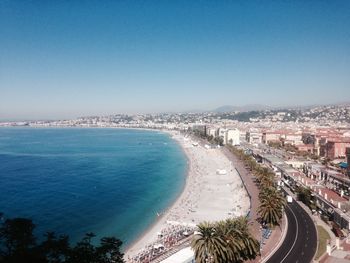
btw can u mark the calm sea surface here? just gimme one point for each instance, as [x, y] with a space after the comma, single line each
[74, 181]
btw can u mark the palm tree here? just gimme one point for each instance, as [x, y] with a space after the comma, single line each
[271, 206]
[208, 246]
[251, 163]
[225, 241]
[250, 246]
[267, 181]
[261, 171]
[232, 236]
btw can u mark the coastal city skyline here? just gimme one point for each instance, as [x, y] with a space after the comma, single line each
[182, 131]
[63, 60]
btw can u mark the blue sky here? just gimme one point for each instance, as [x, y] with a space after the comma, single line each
[62, 59]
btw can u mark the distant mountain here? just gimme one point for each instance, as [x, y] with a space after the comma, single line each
[249, 107]
[193, 111]
[259, 107]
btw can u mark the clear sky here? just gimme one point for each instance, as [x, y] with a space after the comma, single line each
[62, 59]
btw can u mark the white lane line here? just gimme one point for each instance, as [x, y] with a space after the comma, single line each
[296, 236]
[281, 240]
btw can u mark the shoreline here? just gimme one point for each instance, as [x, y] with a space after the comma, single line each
[189, 208]
[135, 246]
[207, 195]
[163, 214]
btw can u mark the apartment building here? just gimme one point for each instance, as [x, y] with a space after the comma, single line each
[336, 147]
[271, 136]
[254, 137]
[233, 136]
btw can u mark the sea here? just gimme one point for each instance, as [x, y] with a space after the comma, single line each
[111, 182]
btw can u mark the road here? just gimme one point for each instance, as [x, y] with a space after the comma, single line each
[300, 243]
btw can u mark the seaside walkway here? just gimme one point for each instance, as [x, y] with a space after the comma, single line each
[253, 191]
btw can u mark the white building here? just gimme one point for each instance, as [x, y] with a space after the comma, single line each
[254, 137]
[222, 134]
[212, 132]
[185, 255]
[233, 136]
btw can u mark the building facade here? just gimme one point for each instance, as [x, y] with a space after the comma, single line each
[335, 148]
[233, 136]
[254, 137]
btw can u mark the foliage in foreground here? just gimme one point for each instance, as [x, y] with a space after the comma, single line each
[224, 241]
[18, 244]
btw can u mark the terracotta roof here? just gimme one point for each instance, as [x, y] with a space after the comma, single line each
[339, 140]
[331, 195]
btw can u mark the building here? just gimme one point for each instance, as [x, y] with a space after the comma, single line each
[254, 137]
[293, 138]
[306, 148]
[228, 136]
[185, 255]
[330, 189]
[233, 136]
[212, 132]
[271, 136]
[335, 147]
[222, 135]
[200, 129]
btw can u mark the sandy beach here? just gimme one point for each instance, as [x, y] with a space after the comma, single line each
[213, 191]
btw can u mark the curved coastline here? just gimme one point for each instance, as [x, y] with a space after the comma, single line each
[134, 225]
[204, 196]
[190, 207]
[163, 214]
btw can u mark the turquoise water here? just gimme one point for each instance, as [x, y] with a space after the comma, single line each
[74, 181]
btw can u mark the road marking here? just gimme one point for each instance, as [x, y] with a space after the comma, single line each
[296, 236]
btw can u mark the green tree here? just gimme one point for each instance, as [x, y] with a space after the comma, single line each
[250, 246]
[304, 195]
[109, 250]
[55, 249]
[18, 244]
[208, 246]
[271, 206]
[224, 241]
[232, 237]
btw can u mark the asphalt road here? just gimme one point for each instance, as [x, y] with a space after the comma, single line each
[300, 243]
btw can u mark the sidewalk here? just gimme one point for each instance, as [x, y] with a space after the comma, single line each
[253, 191]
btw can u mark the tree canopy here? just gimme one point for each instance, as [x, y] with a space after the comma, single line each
[224, 241]
[18, 244]
[271, 200]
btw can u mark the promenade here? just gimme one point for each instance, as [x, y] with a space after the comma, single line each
[253, 191]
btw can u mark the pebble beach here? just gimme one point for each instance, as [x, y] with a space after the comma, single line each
[213, 191]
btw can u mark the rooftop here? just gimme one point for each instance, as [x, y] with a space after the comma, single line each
[183, 256]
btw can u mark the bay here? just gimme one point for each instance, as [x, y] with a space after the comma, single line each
[111, 182]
